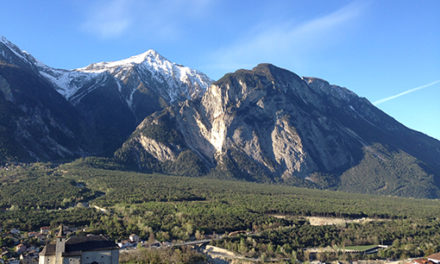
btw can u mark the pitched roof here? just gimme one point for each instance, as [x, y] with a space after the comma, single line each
[419, 261]
[89, 243]
[76, 244]
[48, 250]
[435, 256]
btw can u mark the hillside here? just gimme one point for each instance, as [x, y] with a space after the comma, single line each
[270, 125]
[36, 123]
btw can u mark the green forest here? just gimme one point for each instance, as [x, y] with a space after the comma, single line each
[97, 195]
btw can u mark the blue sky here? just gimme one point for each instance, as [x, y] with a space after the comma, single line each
[378, 49]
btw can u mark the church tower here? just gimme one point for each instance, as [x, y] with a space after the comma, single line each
[60, 246]
[89, 249]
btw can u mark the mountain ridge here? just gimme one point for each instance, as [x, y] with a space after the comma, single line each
[270, 125]
[114, 97]
[266, 124]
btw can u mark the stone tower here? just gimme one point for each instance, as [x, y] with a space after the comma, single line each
[60, 245]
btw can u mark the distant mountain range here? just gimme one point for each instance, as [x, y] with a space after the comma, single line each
[266, 125]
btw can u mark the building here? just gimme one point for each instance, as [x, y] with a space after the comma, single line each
[421, 261]
[134, 238]
[20, 248]
[45, 230]
[15, 231]
[89, 249]
[125, 244]
[434, 258]
[32, 234]
[14, 261]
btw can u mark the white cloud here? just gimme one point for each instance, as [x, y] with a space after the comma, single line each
[162, 19]
[386, 99]
[278, 43]
[109, 19]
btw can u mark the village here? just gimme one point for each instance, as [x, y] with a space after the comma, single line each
[26, 247]
[18, 247]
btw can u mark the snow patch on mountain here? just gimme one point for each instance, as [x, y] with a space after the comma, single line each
[12, 48]
[137, 59]
[170, 80]
[129, 100]
[20, 54]
[66, 82]
[168, 73]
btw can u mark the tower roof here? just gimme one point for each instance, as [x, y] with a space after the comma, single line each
[61, 231]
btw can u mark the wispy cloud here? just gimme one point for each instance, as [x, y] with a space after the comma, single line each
[280, 42]
[109, 19]
[113, 18]
[386, 99]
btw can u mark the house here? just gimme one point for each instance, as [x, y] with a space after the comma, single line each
[33, 234]
[420, 261]
[13, 261]
[14, 231]
[166, 244]
[125, 244]
[435, 258]
[134, 238]
[91, 249]
[20, 248]
[28, 259]
[45, 230]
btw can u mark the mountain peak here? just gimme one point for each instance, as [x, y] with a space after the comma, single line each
[12, 46]
[263, 67]
[149, 56]
[14, 55]
[5, 41]
[3, 38]
[273, 72]
[151, 52]
[174, 79]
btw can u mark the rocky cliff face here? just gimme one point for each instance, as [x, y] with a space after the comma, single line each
[269, 124]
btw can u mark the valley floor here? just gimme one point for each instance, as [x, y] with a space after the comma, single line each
[245, 221]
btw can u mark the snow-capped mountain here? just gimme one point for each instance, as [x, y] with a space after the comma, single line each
[178, 82]
[115, 96]
[174, 82]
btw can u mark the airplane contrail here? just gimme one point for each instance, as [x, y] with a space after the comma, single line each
[383, 100]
